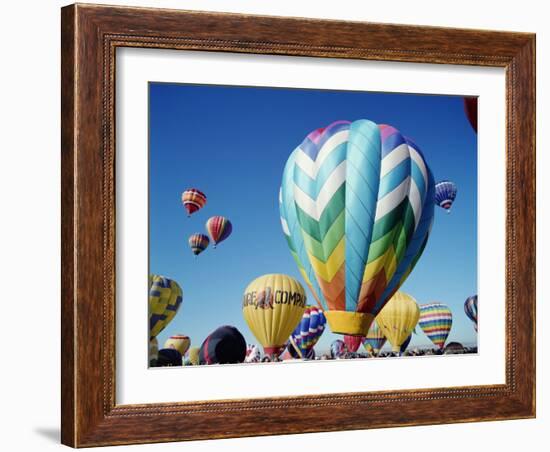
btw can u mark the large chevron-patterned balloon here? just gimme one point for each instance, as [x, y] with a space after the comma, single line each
[357, 204]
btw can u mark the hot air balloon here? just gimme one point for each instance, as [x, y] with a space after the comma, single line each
[445, 194]
[169, 357]
[454, 348]
[198, 243]
[353, 342]
[226, 345]
[292, 353]
[153, 349]
[398, 319]
[178, 342]
[309, 330]
[404, 345]
[436, 320]
[194, 356]
[273, 305]
[165, 297]
[356, 204]
[193, 200]
[470, 108]
[253, 354]
[374, 339]
[338, 349]
[219, 228]
[470, 308]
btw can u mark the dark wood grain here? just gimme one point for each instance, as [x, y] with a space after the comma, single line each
[90, 36]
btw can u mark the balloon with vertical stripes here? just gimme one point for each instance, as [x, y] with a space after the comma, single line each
[219, 228]
[436, 320]
[470, 308]
[356, 205]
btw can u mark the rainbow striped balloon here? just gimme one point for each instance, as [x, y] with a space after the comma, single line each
[470, 308]
[374, 339]
[309, 330]
[356, 204]
[219, 228]
[436, 320]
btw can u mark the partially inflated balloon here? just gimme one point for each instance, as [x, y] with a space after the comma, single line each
[445, 194]
[374, 339]
[226, 345]
[273, 305]
[193, 200]
[198, 243]
[398, 319]
[470, 308]
[356, 206]
[436, 320]
[338, 349]
[194, 356]
[165, 297]
[353, 342]
[219, 228]
[309, 330]
[178, 342]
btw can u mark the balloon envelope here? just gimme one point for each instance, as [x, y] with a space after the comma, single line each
[470, 108]
[168, 357]
[375, 338]
[219, 228]
[309, 330]
[193, 200]
[198, 243]
[353, 342]
[178, 342]
[445, 194]
[153, 349]
[194, 356]
[226, 345]
[470, 308]
[398, 319]
[165, 297]
[436, 320]
[273, 305]
[338, 349]
[356, 205]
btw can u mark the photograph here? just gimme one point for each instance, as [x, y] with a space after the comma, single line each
[304, 224]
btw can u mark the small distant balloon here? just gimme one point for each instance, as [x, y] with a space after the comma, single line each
[219, 228]
[198, 243]
[193, 200]
[338, 349]
[436, 320]
[374, 339]
[445, 194]
[309, 330]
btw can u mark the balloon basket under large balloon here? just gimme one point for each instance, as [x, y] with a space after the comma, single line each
[349, 323]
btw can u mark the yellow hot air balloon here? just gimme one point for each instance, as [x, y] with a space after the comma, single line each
[165, 297]
[194, 355]
[273, 306]
[178, 342]
[398, 318]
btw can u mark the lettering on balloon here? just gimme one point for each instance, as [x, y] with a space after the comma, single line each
[265, 299]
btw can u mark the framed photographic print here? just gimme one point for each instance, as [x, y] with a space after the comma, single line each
[326, 215]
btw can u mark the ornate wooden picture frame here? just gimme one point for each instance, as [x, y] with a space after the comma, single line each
[90, 37]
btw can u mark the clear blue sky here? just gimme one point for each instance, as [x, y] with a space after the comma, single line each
[232, 143]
